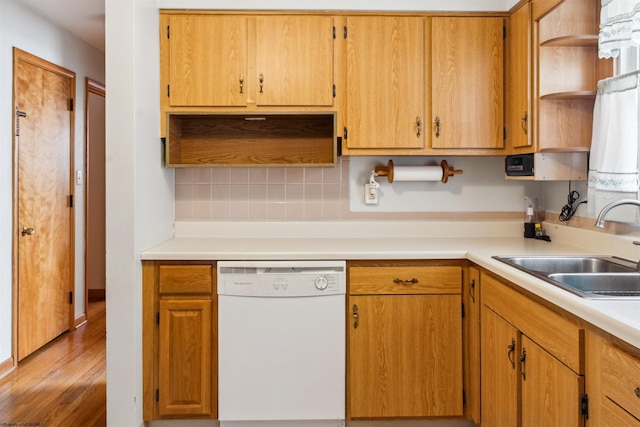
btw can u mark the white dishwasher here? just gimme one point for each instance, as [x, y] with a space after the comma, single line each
[281, 343]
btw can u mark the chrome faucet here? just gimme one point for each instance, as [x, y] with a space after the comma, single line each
[607, 208]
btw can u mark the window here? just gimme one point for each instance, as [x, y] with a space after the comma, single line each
[614, 160]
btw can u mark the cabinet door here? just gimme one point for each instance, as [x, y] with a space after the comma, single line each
[471, 299]
[185, 368]
[207, 60]
[467, 82]
[385, 83]
[518, 94]
[551, 392]
[499, 371]
[294, 60]
[405, 356]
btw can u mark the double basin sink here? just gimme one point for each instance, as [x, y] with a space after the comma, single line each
[587, 276]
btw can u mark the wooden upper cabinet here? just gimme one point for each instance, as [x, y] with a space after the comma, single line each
[207, 57]
[236, 60]
[385, 82]
[566, 72]
[294, 60]
[518, 117]
[467, 100]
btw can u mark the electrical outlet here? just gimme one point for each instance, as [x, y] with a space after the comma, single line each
[370, 194]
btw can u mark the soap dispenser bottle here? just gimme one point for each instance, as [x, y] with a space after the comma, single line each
[530, 217]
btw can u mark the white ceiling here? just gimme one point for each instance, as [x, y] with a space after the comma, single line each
[83, 18]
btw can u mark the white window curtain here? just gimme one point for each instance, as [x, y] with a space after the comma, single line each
[619, 26]
[613, 163]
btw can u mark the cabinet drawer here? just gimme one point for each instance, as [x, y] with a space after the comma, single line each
[617, 416]
[186, 279]
[621, 378]
[407, 280]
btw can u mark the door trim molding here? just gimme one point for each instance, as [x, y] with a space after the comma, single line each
[97, 88]
[21, 55]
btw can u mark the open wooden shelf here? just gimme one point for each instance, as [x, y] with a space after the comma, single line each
[274, 139]
[576, 40]
[580, 94]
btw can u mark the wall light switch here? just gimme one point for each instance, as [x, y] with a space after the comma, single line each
[78, 177]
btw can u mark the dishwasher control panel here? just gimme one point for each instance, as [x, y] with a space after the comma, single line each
[281, 278]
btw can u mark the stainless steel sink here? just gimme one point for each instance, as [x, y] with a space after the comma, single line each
[570, 264]
[601, 284]
[586, 276]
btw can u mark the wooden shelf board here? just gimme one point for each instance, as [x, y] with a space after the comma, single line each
[574, 40]
[582, 94]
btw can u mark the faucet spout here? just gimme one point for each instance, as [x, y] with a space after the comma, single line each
[603, 213]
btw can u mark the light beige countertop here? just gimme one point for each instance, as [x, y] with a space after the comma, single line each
[476, 241]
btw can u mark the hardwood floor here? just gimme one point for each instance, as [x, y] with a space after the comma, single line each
[64, 383]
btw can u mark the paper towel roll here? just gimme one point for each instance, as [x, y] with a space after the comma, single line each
[417, 173]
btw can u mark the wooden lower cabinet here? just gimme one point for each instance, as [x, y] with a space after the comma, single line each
[532, 361]
[499, 373]
[184, 375]
[613, 369]
[551, 392]
[179, 340]
[404, 340]
[471, 343]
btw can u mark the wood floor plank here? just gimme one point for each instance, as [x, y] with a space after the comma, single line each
[64, 383]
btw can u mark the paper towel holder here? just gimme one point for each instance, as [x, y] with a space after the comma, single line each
[447, 171]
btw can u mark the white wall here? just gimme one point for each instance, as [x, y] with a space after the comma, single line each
[480, 188]
[139, 193]
[21, 28]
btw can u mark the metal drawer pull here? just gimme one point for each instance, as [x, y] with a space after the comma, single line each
[523, 123]
[405, 282]
[472, 289]
[355, 316]
[523, 359]
[512, 349]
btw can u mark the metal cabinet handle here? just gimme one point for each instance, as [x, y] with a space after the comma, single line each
[637, 391]
[512, 349]
[27, 231]
[523, 123]
[419, 124]
[355, 316]
[261, 78]
[472, 289]
[398, 281]
[437, 126]
[523, 359]
[241, 84]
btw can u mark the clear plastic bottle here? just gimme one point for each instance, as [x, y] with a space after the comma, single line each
[530, 217]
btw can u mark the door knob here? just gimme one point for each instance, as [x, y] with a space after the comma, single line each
[30, 231]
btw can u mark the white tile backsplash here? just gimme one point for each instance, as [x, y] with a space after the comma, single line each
[328, 194]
